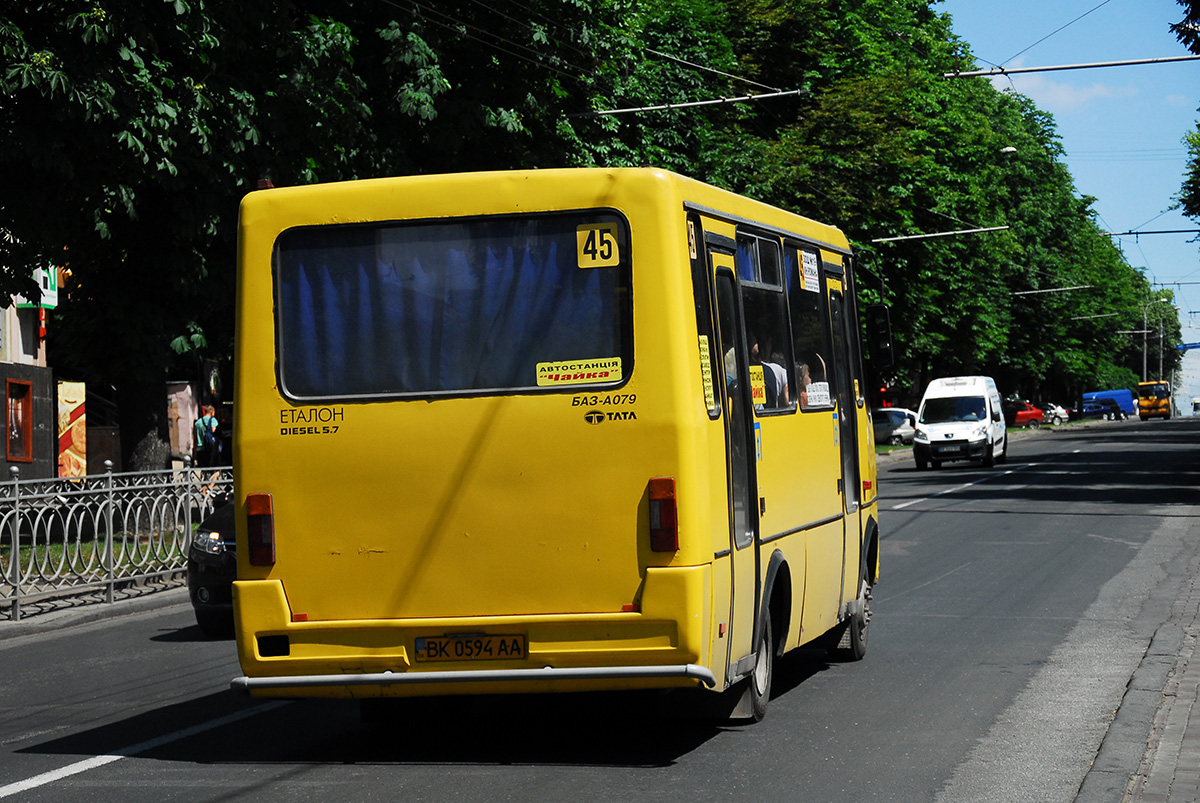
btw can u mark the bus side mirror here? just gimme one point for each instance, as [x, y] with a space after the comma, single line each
[879, 336]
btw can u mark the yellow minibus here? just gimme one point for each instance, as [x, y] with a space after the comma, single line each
[1154, 399]
[546, 431]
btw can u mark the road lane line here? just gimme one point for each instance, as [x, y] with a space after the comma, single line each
[909, 590]
[912, 502]
[125, 752]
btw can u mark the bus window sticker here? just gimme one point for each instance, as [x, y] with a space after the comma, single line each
[758, 386]
[578, 372]
[710, 398]
[596, 245]
[811, 282]
[818, 394]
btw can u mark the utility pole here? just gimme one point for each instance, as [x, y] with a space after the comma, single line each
[1145, 309]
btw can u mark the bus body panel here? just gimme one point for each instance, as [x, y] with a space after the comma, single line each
[522, 512]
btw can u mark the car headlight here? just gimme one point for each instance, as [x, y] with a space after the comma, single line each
[207, 541]
[978, 432]
[921, 436]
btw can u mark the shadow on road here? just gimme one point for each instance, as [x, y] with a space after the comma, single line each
[628, 729]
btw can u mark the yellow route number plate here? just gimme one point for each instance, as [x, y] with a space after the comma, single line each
[470, 648]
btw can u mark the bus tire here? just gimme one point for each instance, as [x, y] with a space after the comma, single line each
[852, 635]
[764, 671]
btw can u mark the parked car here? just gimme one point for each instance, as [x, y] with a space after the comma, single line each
[1023, 414]
[211, 570]
[1112, 409]
[894, 425]
[1102, 409]
[1053, 413]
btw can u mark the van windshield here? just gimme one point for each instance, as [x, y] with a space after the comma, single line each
[955, 408]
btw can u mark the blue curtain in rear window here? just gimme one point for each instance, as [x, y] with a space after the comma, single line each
[441, 308]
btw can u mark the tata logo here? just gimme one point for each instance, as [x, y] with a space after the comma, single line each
[593, 417]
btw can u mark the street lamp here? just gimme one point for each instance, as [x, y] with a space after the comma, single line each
[1145, 308]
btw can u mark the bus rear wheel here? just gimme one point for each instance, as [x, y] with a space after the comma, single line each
[764, 672]
[851, 643]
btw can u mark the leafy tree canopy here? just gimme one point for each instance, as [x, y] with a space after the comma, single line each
[128, 133]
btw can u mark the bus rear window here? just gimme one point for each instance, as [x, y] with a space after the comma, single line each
[453, 308]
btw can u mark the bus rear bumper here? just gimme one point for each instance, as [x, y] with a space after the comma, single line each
[692, 671]
[662, 643]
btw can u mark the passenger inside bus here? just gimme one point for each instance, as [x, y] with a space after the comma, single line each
[774, 374]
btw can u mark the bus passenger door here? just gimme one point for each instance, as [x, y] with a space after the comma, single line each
[741, 467]
[847, 413]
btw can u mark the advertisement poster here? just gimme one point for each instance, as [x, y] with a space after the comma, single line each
[72, 429]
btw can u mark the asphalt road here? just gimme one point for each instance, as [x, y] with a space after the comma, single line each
[1015, 604]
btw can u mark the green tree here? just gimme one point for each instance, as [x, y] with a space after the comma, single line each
[1187, 31]
[129, 132]
[127, 136]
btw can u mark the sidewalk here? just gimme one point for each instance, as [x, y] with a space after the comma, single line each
[55, 614]
[1170, 767]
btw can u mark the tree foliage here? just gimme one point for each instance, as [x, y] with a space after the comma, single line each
[1187, 31]
[128, 132]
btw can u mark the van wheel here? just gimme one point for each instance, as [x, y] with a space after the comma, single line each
[1003, 458]
[989, 459]
[921, 464]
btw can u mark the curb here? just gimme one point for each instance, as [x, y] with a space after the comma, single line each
[86, 613]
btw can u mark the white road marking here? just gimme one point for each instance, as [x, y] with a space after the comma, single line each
[125, 752]
[912, 502]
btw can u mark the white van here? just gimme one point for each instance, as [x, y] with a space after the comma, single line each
[960, 419]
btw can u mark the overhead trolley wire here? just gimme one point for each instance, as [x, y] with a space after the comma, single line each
[462, 28]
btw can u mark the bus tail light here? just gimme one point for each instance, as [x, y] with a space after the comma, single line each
[260, 529]
[664, 520]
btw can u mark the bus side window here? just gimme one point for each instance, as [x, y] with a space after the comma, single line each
[810, 327]
[766, 321]
[710, 368]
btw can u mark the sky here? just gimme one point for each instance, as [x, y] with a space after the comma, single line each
[1122, 127]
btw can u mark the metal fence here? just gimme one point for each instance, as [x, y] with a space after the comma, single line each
[62, 538]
